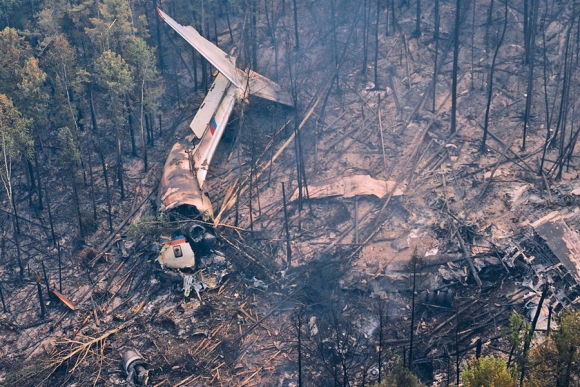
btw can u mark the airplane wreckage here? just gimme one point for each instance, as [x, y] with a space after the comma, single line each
[185, 171]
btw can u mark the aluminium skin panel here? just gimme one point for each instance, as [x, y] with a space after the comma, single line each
[209, 106]
[204, 151]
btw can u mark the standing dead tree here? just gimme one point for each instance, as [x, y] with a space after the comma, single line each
[530, 38]
[455, 65]
[483, 148]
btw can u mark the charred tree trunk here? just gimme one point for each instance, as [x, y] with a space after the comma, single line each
[365, 37]
[394, 24]
[527, 30]
[16, 232]
[530, 61]
[130, 125]
[93, 200]
[297, 42]
[158, 36]
[194, 61]
[143, 126]
[76, 204]
[108, 190]
[120, 163]
[376, 81]
[472, 41]
[530, 334]
[287, 229]
[417, 32]
[50, 221]
[487, 26]
[254, 34]
[548, 116]
[455, 65]
[227, 6]
[483, 148]
[39, 182]
[436, 37]
[412, 336]
[563, 113]
[31, 181]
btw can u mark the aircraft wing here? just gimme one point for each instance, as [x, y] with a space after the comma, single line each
[220, 60]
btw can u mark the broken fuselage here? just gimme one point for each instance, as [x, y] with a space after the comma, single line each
[188, 162]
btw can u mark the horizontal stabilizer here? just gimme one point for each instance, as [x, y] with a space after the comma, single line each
[263, 87]
[220, 60]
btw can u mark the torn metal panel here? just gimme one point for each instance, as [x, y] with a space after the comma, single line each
[179, 187]
[348, 187]
[562, 240]
[177, 254]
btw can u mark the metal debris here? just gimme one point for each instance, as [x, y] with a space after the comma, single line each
[562, 240]
[136, 368]
[177, 254]
[350, 186]
[256, 283]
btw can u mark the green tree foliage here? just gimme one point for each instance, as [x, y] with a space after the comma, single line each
[113, 27]
[32, 95]
[115, 76]
[69, 158]
[113, 73]
[556, 362]
[60, 61]
[70, 154]
[516, 332]
[398, 375]
[15, 141]
[147, 90]
[14, 51]
[488, 371]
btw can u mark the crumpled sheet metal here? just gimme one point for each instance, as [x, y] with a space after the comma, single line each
[562, 240]
[179, 185]
[350, 186]
[177, 254]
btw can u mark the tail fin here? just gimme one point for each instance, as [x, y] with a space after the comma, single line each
[257, 84]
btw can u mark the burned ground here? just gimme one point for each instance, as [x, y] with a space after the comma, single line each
[469, 216]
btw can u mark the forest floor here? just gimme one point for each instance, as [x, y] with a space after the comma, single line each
[458, 209]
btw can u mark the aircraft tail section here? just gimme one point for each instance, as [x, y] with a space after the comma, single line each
[250, 81]
[220, 60]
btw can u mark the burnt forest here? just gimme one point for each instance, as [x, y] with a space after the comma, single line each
[289, 193]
